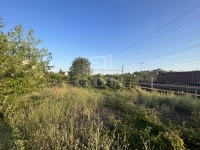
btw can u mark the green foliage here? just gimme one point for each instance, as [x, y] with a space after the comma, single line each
[63, 118]
[6, 135]
[191, 138]
[61, 72]
[80, 69]
[180, 104]
[113, 83]
[56, 78]
[98, 81]
[68, 117]
[143, 126]
[22, 64]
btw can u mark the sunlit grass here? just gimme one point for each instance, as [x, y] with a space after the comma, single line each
[63, 118]
[68, 117]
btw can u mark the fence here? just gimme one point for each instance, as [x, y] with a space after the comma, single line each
[179, 83]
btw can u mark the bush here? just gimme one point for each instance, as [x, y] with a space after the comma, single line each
[23, 65]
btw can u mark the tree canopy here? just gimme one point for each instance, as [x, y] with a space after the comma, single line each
[80, 68]
[22, 64]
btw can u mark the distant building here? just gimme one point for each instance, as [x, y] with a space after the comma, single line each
[66, 73]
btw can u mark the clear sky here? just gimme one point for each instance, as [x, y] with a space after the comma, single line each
[112, 32]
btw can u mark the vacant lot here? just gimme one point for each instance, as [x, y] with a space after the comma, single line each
[68, 117]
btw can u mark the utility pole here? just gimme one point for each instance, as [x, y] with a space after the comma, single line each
[152, 84]
[141, 71]
[122, 74]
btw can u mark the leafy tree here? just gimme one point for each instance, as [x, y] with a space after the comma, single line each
[61, 72]
[55, 78]
[157, 71]
[114, 83]
[80, 68]
[22, 64]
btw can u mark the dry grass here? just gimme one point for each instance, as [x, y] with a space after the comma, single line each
[62, 118]
[68, 117]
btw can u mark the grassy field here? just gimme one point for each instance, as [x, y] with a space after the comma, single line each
[68, 117]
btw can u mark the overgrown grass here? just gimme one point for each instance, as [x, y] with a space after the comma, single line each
[62, 118]
[68, 117]
[177, 112]
[5, 135]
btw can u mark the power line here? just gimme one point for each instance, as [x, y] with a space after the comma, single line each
[172, 61]
[167, 54]
[158, 29]
[166, 62]
[163, 43]
[105, 70]
[181, 62]
[163, 36]
[165, 49]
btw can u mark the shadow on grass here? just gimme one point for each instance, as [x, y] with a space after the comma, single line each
[5, 135]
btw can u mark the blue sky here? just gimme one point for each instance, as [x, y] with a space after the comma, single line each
[99, 28]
